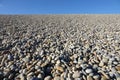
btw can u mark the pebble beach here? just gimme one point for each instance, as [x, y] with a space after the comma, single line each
[60, 47]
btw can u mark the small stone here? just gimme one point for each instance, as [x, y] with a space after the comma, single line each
[57, 78]
[68, 79]
[10, 57]
[76, 74]
[5, 79]
[48, 78]
[103, 78]
[118, 78]
[96, 77]
[118, 68]
[40, 76]
[64, 74]
[111, 74]
[89, 77]
[115, 62]
[105, 60]
[91, 74]
[59, 68]
[11, 76]
[26, 59]
[101, 64]
[75, 56]
[22, 77]
[88, 71]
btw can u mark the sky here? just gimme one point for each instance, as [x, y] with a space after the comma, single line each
[59, 6]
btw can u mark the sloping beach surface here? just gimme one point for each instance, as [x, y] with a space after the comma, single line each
[60, 47]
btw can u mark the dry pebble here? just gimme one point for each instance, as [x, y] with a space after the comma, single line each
[59, 47]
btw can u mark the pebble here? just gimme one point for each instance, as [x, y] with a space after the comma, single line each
[57, 78]
[96, 77]
[59, 68]
[76, 74]
[118, 68]
[10, 57]
[101, 64]
[89, 78]
[40, 76]
[88, 71]
[48, 78]
[45, 50]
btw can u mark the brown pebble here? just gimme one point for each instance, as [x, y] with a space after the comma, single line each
[59, 68]
[118, 68]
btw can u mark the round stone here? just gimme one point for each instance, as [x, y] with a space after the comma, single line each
[89, 71]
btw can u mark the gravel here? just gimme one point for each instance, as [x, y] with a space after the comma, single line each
[59, 47]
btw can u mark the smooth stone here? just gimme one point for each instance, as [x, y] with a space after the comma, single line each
[26, 59]
[96, 77]
[83, 66]
[22, 77]
[11, 76]
[59, 68]
[88, 71]
[40, 76]
[103, 78]
[115, 62]
[118, 68]
[75, 61]
[111, 74]
[48, 78]
[105, 60]
[89, 77]
[75, 56]
[68, 79]
[64, 74]
[30, 74]
[58, 62]
[91, 74]
[76, 74]
[77, 79]
[101, 64]
[118, 78]
[5, 79]
[10, 57]
[57, 78]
